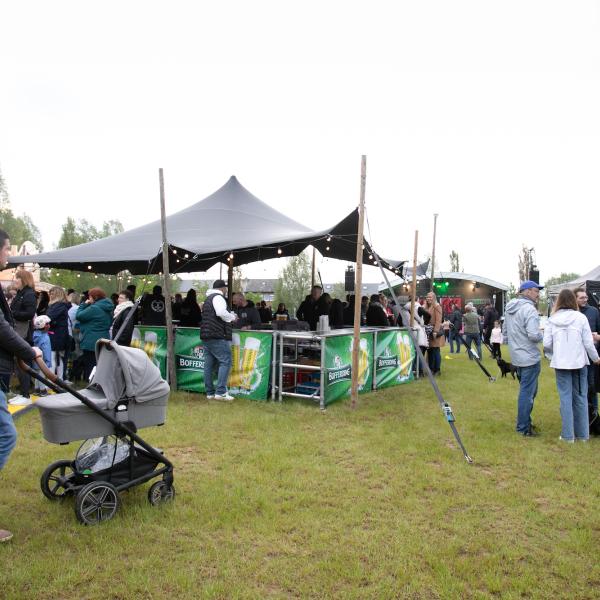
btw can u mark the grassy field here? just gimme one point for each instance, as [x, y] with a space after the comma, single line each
[283, 501]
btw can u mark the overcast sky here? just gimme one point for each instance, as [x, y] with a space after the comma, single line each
[484, 112]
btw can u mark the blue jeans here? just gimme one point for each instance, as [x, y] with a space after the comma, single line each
[572, 387]
[454, 338]
[217, 354]
[528, 386]
[473, 337]
[8, 433]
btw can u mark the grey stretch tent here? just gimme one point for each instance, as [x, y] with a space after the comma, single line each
[590, 282]
[229, 221]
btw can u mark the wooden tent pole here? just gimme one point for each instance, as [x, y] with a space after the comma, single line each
[314, 265]
[435, 216]
[167, 287]
[230, 282]
[358, 283]
[413, 290]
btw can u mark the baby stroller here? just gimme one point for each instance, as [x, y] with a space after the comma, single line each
[125, 394]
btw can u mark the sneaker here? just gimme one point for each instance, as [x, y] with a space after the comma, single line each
[562, 439]
[224, 397]
[530, 433]
[583, 440]
[210, 396]
[5, 535]
[20, 401]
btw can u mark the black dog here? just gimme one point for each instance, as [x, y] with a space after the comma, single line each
[506, 368]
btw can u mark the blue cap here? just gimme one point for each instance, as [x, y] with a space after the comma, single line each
[527, 285]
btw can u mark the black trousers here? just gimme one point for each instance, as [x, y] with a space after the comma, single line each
[497, 351]
[89, 362]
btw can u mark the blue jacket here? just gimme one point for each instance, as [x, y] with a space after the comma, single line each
[521, 330]
[41, 339]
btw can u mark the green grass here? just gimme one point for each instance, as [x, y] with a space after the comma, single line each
[283, 501]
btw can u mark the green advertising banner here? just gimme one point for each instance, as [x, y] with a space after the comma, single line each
[251, 353]
[153, 341]
[338, 366]
[394, 356]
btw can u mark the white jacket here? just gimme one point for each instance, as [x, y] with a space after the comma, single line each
[568, 340]
[419, 324]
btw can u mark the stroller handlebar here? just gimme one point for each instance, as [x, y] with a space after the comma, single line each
[43, 368]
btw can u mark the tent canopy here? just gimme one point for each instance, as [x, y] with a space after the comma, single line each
[593, 275]
[231, 221]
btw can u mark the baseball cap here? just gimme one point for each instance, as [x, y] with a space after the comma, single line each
[527, 285]
[218, 284]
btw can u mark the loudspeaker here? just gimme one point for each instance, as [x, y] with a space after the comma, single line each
[534, 275]
[349, 280]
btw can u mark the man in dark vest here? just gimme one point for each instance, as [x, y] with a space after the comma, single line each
[11, 345]
[593, 316]
[215, 331]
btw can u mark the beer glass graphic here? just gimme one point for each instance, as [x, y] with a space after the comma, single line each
[404, 353]
[249, 357]
[363, 360]
[136, 339]
[150, 345]
[234, 375]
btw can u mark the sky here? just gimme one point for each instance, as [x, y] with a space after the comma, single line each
[486, 113]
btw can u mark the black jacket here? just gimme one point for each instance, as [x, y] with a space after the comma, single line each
[212, 326]
[153, 310]
[247, 315]
[23, 309]
[310, 311]
[59, 327]
[125, 338]
[11, 343]
[455, 319]
[190, 314]
[376, 316]
[490, 315]
[593, 316]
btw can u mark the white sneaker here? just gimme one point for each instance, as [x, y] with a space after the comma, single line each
[562, 439]
[210, 396]
[20, 401]
[224, 397]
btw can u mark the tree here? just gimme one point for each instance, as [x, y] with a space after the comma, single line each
[20, 229]
[562, 278]
[339, 291]
[293, 283]
[525, 263]
[454, 262]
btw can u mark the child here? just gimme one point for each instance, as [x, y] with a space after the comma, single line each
[41, 339]
[496, 339]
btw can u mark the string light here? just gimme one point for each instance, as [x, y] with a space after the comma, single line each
[174, 251]
[185, 255]
[279, 250]
[78, 274]
[231, 255]
[89, 267]
[327, 248]
[370, 257]
[328, 238]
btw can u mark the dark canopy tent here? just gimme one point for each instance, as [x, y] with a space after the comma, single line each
[231, 221]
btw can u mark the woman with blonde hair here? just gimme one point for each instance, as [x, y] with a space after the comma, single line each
[23, 310]
[58, 311]
[569, 345]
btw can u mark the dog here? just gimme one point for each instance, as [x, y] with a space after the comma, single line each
[506, 368]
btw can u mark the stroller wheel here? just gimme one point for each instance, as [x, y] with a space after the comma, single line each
[160, 492]
[96, 502]
[55, 477]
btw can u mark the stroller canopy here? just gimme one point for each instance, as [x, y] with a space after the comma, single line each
[124, 372]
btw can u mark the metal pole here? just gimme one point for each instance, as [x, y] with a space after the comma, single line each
[167, 287]
[230, 281]
[413, 290]
[435, 216]
[358, 283]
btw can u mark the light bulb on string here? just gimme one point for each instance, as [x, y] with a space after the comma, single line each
[279, 251]
[89, 267]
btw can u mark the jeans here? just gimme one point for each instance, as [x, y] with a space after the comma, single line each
[217, 353]
[528, 386]
[572, 387]
[434, 360]
[8, 433]
[454, 338]
[473, 337]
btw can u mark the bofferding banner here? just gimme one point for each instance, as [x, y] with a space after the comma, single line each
[338, 366]
[251, 353]
[394, 356]
[153, 341]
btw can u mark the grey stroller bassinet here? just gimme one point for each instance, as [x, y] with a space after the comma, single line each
[126, 394]
[122, 375]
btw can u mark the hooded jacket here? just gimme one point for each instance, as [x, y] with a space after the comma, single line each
[568, 340]
[94, 322]
[521, 331]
